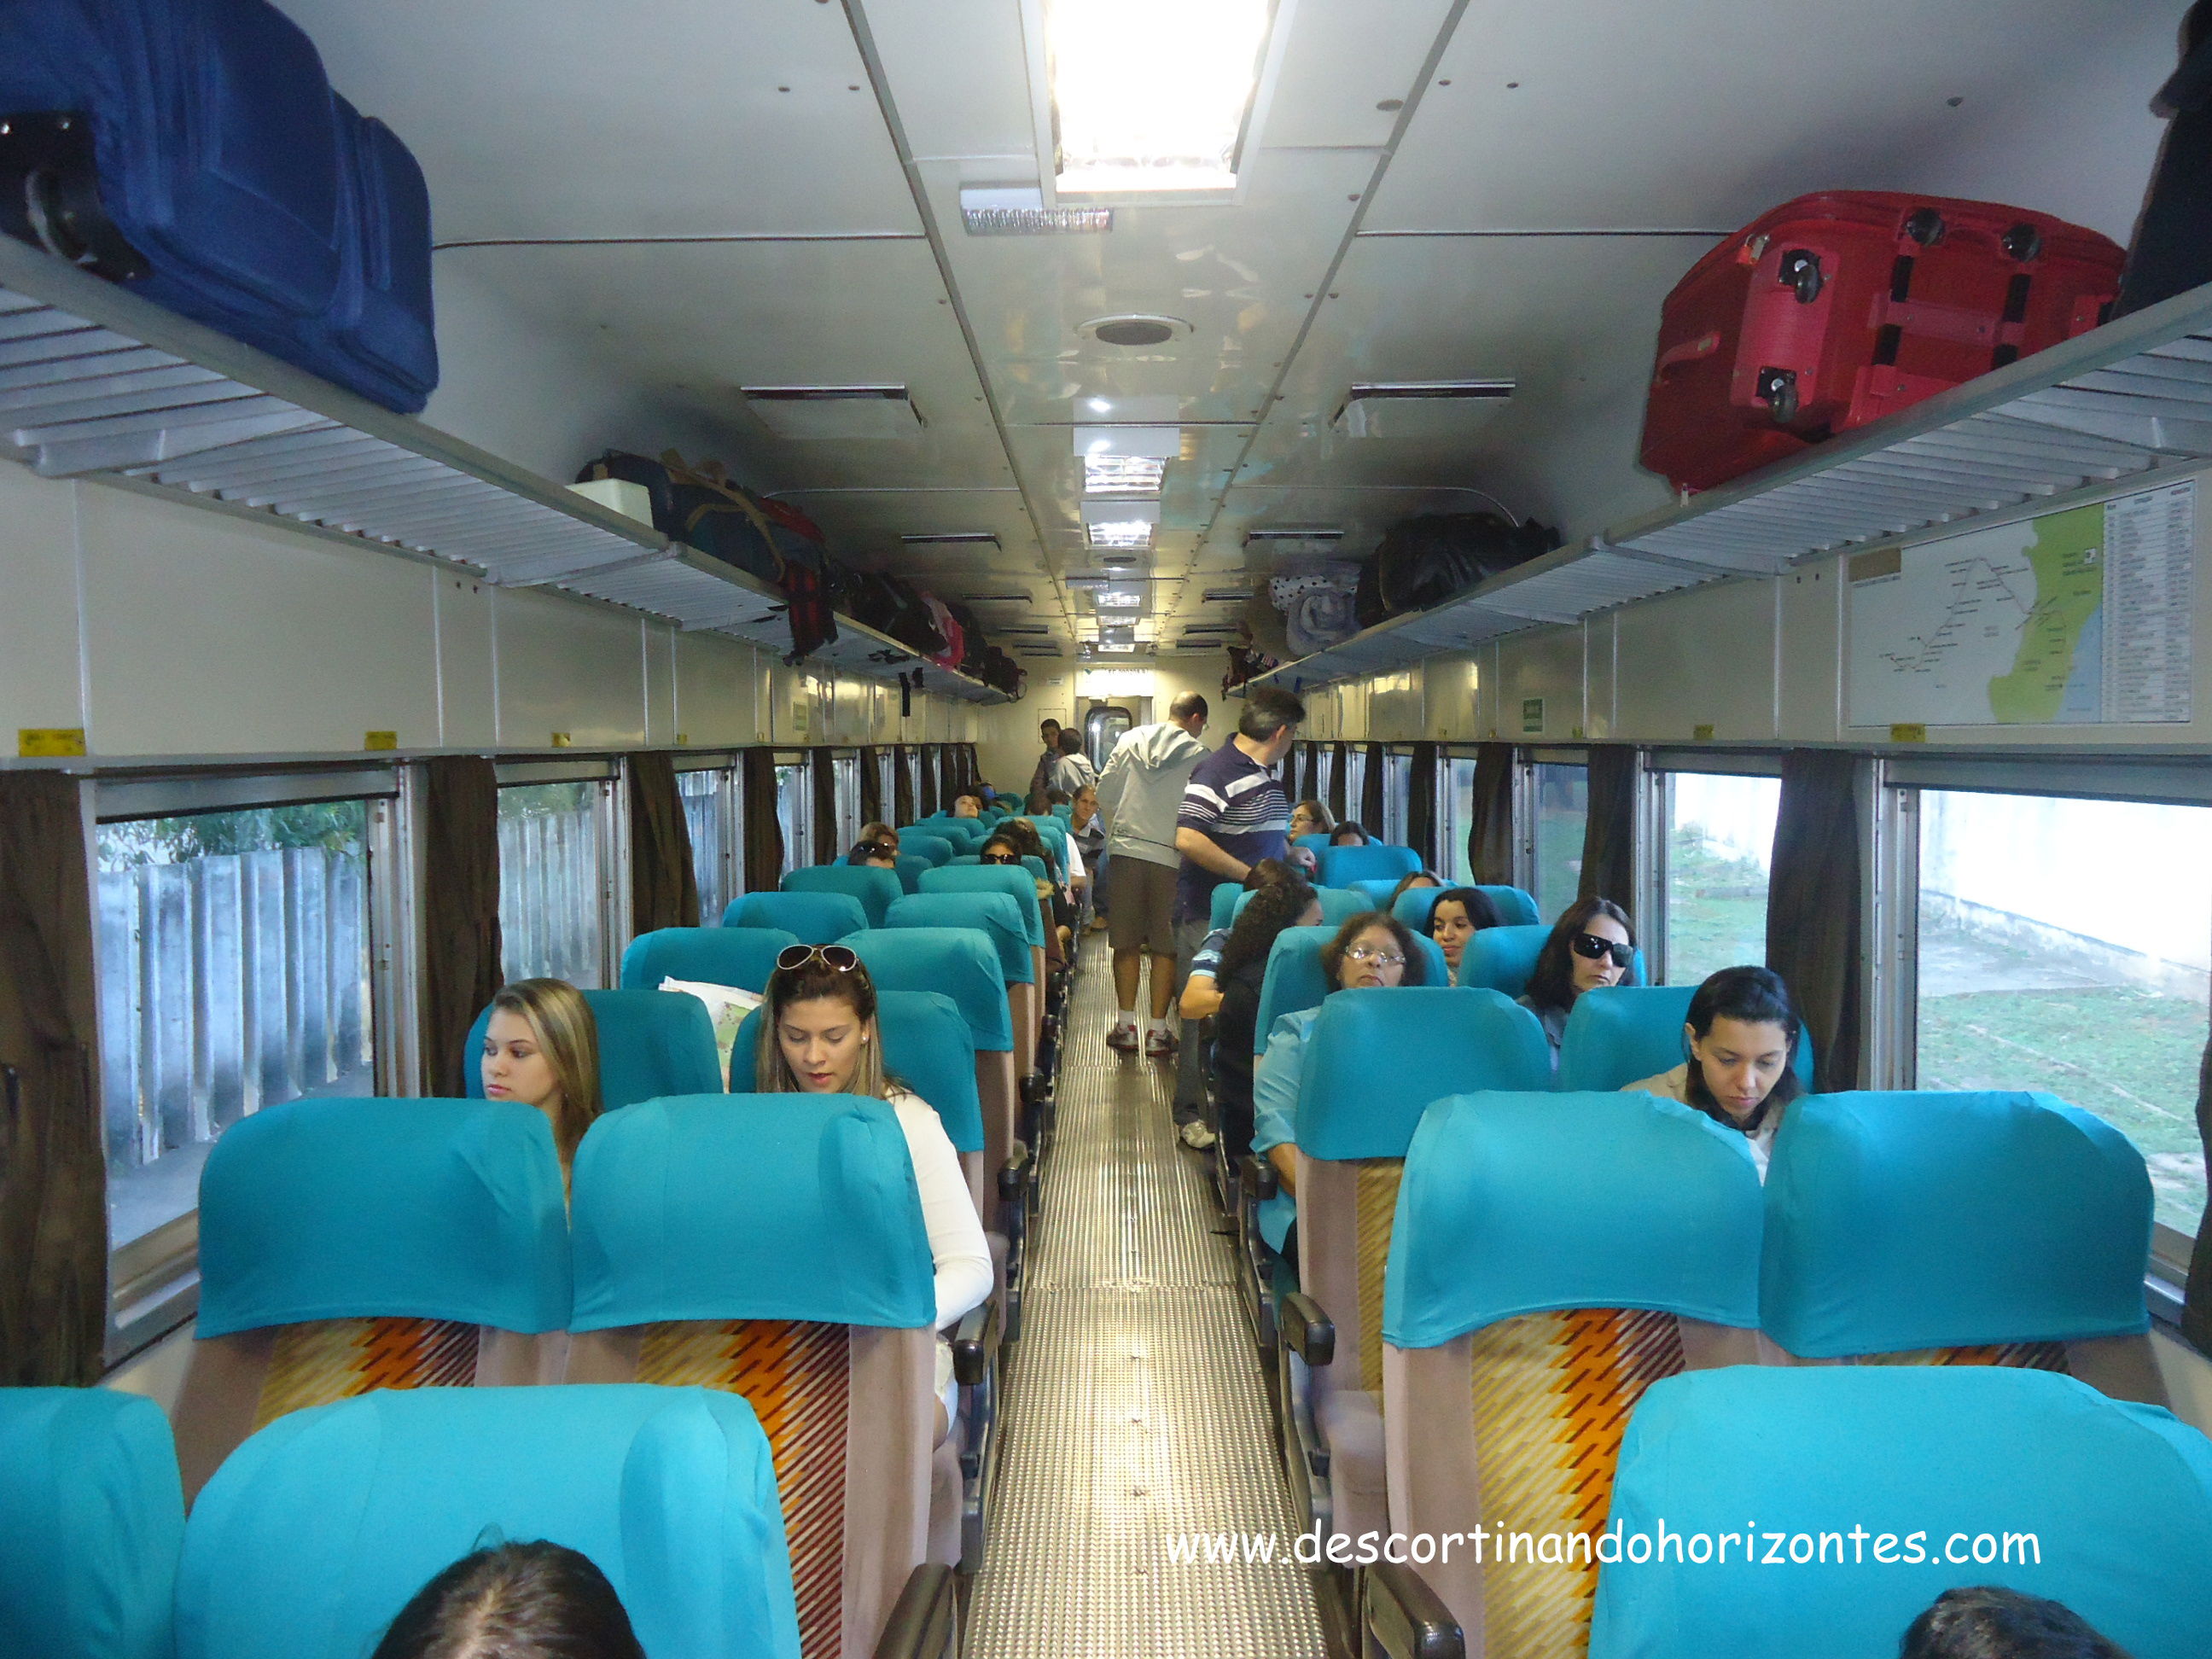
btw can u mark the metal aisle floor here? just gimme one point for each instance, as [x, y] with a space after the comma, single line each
[1136, 1410]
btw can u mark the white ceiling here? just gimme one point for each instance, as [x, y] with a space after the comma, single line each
[703, 196]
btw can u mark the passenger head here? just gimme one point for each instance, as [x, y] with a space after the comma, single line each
[1084, 808]
[1372, 949]
[534, 1601]
[1059, 798]
[541, 1046]
[967, 803]
[1742, 1033]
[1348, 834]
[1310, 818]
[874, 855]
[1071, 742]
[884, 833]
[1270, 721]
[1001, 848]
[1049, 730]
[1419, 878]
[819, 1032]
[1984, 1621]
[1590, 947]
[1189, 711]
[1458, 915]
[1028, 840]
[1281, 898]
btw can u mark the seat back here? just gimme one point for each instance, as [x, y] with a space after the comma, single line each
[1377, 861]
[1316, 843]
[874, 888]
[651, 1042]
[810, 918]
[1502, 958]
[1294, 979]
[1221, 905]
[1338, 904]
[926, 844]
[1376, 890]
[927, 1046]
[346, 1245]
[773, 1246]
[993, 878]
[1517, 907]
[2012, 1478]
[1935, 1228]
[325, 1525]
[1412, 906]
[910, 867]
[1552, 1257]
[998, 914]
[91, 1520]
[1621, 1034]
[740, 957]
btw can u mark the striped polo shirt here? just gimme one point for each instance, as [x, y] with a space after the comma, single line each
[1236, 803]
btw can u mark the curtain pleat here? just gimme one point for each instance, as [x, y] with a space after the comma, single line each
[53, 1184]
[1490, 816]
[928, 770]
[459, 903]
[821, 777]
[1421, 804]
[2196, 1304]
[948, 774]
[1609, 836]
[763, 836]
[1337, 774]
[871, 787]
[901, 787]
[1309, 784]
[1813, 931]
[1371, 791]
[664, 888]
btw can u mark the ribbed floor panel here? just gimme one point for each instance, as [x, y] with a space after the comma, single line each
[1136, 1412]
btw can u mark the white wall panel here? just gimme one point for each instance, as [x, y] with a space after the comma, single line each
[716, 690]
[567, 667]
[1701, 657]
[1548, 664]
[1810, 683]
[39, 682]
[468, 663]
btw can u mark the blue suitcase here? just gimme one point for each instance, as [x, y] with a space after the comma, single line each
[194, 149]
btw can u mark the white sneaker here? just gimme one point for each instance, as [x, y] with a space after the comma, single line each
[1196, 1136]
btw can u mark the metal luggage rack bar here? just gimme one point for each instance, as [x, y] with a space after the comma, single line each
[97, 383]
[2132, 398]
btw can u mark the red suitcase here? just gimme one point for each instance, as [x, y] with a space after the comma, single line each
[1833, 310]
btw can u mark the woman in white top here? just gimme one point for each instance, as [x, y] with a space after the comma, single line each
[819, 1037]
[1742, 1035]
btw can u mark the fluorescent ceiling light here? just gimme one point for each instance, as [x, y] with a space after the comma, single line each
[1160, 443]
[1019, 210]
[1114, 648]
[1120, 512]
[1122, 475]
[1151, 95]
[835, 411]
[1134, 533]
[1120, 599]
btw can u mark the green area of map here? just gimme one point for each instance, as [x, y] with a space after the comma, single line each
[2068, 558]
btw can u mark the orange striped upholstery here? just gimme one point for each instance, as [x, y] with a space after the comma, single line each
[797, 1376]
[1377, 1205]
[2028, 1355]
[329, 1359]
[1552, 1392]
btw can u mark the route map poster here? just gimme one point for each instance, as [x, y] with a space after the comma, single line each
[2083, 617]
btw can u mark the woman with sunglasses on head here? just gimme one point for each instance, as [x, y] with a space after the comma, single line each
[1741, 1035]
[1372, 950]
[819, 1037]
[1458, 915]
[1591, 946]
[873, 854]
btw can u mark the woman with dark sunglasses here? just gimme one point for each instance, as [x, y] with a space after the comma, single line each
[1591, 946]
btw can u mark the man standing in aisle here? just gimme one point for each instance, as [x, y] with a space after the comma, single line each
[1074, 773]
[1040, 776]
[1234, 814]
[1140, 794]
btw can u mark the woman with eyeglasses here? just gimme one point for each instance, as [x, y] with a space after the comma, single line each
[1458, 915]
[1310, 818]
[1372, 950]
[819, 1037]
[1740, 1037]
[1591, 946]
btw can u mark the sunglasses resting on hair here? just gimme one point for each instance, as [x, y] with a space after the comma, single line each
[839, 958]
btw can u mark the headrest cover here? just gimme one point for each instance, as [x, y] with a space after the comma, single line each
[2113, 1501]
[1294, 979]
[1414, 906]
[1342, 866]
[1375, 891]
[1338, 904]
[1502, 958]
[813, 918]
[927, 1046]
[317, 1530]
[1017, 884]
[1515, 909]
[1520, 1203]
[1376, 1058]
[959, 962]
[91, 1519]
[999, 914]
[1921, 1220]
[651, 1042]
[874, 888]
[356, 1209]
[1222, 905]
[1621, 1034]
[750, 1207]
[923, 844]
[743, 956]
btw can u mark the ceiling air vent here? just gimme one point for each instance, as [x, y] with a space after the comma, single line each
[1135, 329]
[1421, 408]
[846, 412]
[1019, 210]
[954, 538]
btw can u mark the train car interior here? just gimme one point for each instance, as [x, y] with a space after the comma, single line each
[1005, 829]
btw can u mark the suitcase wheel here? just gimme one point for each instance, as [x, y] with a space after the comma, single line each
[2022, 242]
[50, 194]
[1925, 226]
[1777, 390]
[1800, 271]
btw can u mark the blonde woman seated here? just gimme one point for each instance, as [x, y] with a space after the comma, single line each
[819, 1037]
[541, 1048]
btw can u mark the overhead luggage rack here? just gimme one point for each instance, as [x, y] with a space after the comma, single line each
[2129, 398]
[97, 383]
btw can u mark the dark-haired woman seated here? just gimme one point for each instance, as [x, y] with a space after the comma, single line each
[1459, 913]
[1590, 947]
[1741, 1037]
[533, 1600]
[1226, 984]
[1349, 833]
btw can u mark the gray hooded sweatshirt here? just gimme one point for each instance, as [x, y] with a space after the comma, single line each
[1142, 791]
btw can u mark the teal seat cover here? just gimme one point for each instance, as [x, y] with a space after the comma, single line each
[749, 1206]
[927, 1046]
[993, 878]
[91, 1519]
[1531, 1202]
[742, 957]
[1316, 843]
[1223, 904]
[812, 918]
[1502, 958]
[960, 963]
[1516, 908]
[358, 1209]
[1338, 904]
[1896, 1221]
[651, 1042]
[1342, 866]
[999, 914]
[1294, 979]
[874, 888]
[910, 867]
[1036, 866]
[1376, 1058]
[1924, 1460]
[1621, 1034]
[933, 848]
[319, 1529]
[960, 859]
[1412, 906]
[1065, 814]
[1375, 890]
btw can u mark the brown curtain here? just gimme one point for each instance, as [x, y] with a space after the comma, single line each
[2196, 1304]
[1813, 935]
[822, 775]
[763, 836]
[53, 1187]
[974, 766]
[664, 888]
[1371, 791]
[1421, 804]
[459, 901]
[1336, 781]
[948, 773]
[1490, 816]
[901, 787]
[928, 774]
[872, 787]
[1609, 836]
[1310, 785]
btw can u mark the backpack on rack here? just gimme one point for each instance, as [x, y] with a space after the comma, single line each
[893, 607]
[1435, 556]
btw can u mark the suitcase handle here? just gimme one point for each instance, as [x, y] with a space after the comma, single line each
[1689, 351]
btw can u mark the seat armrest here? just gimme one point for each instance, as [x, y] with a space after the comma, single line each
[924, 1622]
[974, 1339]
[1306, 1329]
[1014, 1174]
[1404, 1619]
[1258, 1178]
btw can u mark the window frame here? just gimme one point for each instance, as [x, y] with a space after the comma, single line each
[611, 825]
[1654, 831]
[798, 842]
[729, 820]
[1526, 760]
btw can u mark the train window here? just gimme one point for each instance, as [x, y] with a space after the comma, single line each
[711, 805]
[1562, 813]
[795, 809]
[1355, 788]
[845, 778]
[1719, 851]
[1324, 771]
[1397, 788]
[1454, 813]
[885, 794]
[553, 884]
[2048, 960]
[912, 758]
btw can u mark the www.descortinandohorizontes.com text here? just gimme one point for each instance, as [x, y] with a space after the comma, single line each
[1750, 1547]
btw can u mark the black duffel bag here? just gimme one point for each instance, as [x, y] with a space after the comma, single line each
[1426, 560]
